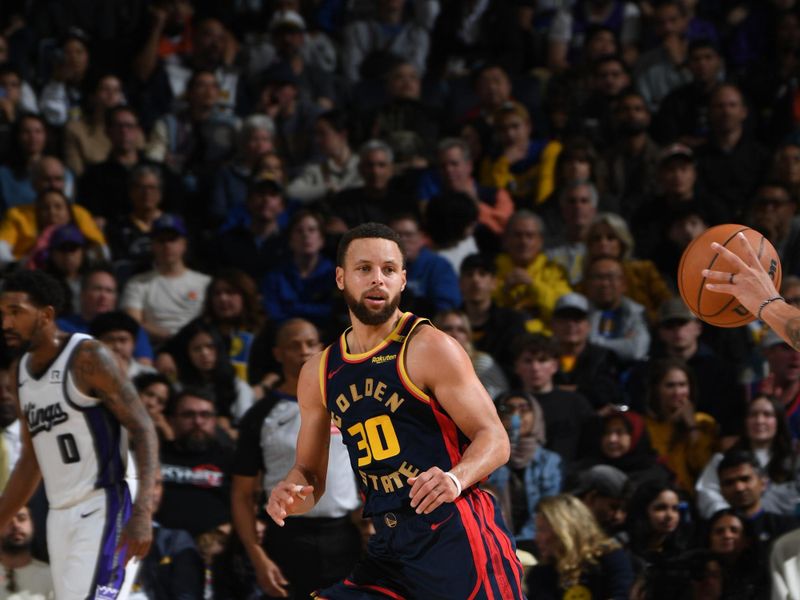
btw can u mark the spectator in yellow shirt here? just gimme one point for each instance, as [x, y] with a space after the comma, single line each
[526, 279]
[523, 166]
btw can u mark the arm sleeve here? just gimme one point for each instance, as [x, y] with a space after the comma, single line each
[133, 295]
[156, 148]
[709, 497]
[54, 104]
[85, 222]
[354, 49]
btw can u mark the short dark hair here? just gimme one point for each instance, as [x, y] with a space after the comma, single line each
[144, 380]
[116, 320]
[94, 270]
[204, 393]
[42, 289]
[736, 457]
[111, 114]
[366, 231]
[536, 344]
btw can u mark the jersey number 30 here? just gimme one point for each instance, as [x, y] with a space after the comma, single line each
[376, 439]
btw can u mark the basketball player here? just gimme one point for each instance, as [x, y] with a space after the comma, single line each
[751, 285]
[421, 432]
[77, 408]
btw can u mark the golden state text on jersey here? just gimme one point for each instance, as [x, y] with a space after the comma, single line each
[392, 429]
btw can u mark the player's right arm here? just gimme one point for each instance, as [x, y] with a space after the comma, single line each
[752, 286]
[304, 485]
[26, 475]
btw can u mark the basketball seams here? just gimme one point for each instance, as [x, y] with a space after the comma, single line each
[698, 256]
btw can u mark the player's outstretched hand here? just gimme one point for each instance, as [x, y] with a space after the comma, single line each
[136, 535]
[747, 280]
[285, 498]
[431, 489]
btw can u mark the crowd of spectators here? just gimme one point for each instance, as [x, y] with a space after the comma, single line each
[185, 169]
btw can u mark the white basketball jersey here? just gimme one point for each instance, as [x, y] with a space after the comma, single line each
[79, 444]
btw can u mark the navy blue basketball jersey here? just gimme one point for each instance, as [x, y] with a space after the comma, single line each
[392, 429]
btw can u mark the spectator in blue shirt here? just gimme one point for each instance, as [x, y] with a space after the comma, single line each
[302, 286]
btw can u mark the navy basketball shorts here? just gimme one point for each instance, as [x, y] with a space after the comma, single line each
[461, 550]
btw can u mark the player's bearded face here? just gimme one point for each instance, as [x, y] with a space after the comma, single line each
[17, 340]
[365, 313]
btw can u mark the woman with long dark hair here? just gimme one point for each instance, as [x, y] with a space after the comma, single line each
[202, 361]
[656, 525]
[766, 435]
[684, 438]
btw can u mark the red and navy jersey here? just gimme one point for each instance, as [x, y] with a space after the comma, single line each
[392, 429]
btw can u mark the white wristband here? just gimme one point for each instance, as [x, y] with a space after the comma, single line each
[456, 481]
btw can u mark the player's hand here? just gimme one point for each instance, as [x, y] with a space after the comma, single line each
[431, 489]
[270, 578]
[136, 535]
[285, 499]
[751, 283]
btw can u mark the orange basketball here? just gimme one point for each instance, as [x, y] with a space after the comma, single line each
[715, 308]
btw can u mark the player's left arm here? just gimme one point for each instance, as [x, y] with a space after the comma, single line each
[97, 373]
[437, 364]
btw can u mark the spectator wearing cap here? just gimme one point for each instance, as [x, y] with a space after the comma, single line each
[337, 168]
[311, 55]
[609, 235]
[577, 204]
[617, 323]
[732, 162]
[294, 117]
[678, 335]
[129, 234]
[166, 298]
[67, 256]
[627, 171]
[683, 114]
[431, 282]
[604, 489]
[25, 230]
[256, 245]
[774, 213]
[523, 166]
[492, 325]
[532, 471]
[677, 189]
[567, 414]
[783, 378]
[527, 279]
[583, 367]
[104, 187]
[377, 200]
[367, 42]
[118, 330]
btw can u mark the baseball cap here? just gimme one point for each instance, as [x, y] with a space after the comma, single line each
[66, 235]
[675, 151]
[572, 303]
[606, 480]
[168, 222]
[674, 309]
[475, 262]
[287, 19]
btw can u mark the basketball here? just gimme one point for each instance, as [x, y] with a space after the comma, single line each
[722, 310]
